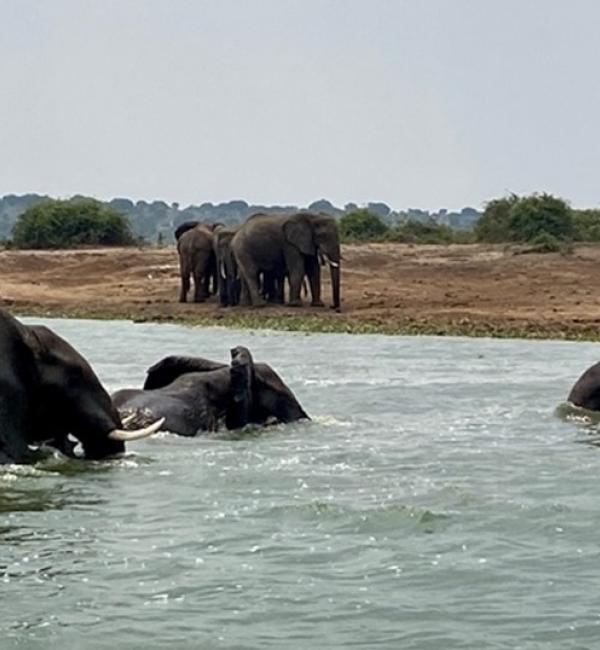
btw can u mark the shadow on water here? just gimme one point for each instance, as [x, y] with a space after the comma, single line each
[389, 517]
[570, 413]
[585, 419]
[15, 499]
[255, 431]
[41, 487]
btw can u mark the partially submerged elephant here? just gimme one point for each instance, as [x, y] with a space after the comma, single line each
[586, 391]
[194, 394]
[48, 391]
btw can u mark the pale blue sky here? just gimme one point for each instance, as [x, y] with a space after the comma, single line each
[418, 103]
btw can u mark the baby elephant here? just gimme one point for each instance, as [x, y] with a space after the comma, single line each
[194, 394]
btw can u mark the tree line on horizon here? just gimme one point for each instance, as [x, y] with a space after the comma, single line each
[154, 221]
[542, 222]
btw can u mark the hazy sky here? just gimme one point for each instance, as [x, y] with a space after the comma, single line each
[418, 103]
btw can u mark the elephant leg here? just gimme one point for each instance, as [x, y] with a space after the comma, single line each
[199, 286]
[245, 299]
[278, 289]
[206, 284]
[296, 276]
[234, 291]
[313, 271]
[252, 284]
[185, 285]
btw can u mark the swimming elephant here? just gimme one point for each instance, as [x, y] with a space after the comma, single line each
[48, 391]
[194, 394]
[288, 244]
[586, 391]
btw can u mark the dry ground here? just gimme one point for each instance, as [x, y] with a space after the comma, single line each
[470, 289]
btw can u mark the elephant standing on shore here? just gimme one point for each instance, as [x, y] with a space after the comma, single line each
[196, 259]
[292, 245]
[228, 282]
[48, 391]
[193, 394]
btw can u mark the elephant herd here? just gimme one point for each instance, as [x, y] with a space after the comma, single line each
[51, 397]
[249, 264]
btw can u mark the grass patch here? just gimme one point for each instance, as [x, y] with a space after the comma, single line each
[330, 323]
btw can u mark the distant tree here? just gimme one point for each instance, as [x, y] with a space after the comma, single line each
[362, 225]
[525, 219]
[493, 225]
[540, 214]
[422, 232]
[76, 222]
[586, 224]
[380, 209]
[322, 205]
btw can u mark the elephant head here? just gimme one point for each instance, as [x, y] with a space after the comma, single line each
[48, 391]
[241, 388]
[270, 396]
[317, 236]
[229, 283]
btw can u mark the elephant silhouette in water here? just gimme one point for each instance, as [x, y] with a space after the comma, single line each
[586, 391]
[48, 391]
[194, 395]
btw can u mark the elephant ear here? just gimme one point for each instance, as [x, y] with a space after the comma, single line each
[298, 231]
[168, 369]
[273, 398]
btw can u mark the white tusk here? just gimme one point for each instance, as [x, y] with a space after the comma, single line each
[336, 265]
[128, 419]
[136, 434]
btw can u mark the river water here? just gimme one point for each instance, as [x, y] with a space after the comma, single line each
[435, 501]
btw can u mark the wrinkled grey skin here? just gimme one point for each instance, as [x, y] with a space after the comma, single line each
[196, 259]
[227, 271]
[194, 394]
[48, 391]
[586, 391]
[288, 244]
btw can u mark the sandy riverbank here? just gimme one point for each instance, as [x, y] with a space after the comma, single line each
[390, 288]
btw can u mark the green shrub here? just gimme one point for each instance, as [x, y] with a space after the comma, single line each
[537, 215]
[524, 219]
[546, 243]
[76, 222]
[421, 232]
[493, 225]
[586, 225]
[362, 225]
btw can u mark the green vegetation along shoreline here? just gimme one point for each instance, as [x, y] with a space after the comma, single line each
[312, 324]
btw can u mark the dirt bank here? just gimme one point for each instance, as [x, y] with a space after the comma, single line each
[392, 288]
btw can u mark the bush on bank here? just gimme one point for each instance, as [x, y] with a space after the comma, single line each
[75, 222]
[529, 219]
[364, 226]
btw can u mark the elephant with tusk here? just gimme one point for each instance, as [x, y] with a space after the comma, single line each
[291, 245]
[194, 395]
[49, 392]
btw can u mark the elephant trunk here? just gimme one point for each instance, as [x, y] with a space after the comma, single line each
[335, 284]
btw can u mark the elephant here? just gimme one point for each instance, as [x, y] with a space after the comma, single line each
[227, 271]
[196, 258]
[586, 391]
[194, 394]
[48, 392]
[184, 227]
[289, 244]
